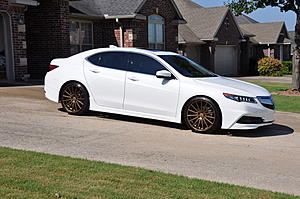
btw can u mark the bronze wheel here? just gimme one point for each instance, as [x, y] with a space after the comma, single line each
[74, 99]
[202, 115]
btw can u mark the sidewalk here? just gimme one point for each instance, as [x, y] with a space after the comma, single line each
[284, 79]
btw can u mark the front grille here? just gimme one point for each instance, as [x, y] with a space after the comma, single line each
[250, 120]
[267, 101]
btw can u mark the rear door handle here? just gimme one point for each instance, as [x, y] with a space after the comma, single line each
[133, 79]
[95, 70]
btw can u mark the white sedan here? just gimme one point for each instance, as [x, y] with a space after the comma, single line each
[157, 85]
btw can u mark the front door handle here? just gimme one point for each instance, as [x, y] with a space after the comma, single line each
[133, 79]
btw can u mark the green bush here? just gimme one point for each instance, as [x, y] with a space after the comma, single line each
[287, 68]
[270, 67]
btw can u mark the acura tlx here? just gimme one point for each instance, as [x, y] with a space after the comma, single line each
[157, 85]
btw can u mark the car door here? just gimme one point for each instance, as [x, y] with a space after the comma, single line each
[147, 94]
[105, 74]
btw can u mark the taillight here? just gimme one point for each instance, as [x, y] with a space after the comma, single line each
[52, 67]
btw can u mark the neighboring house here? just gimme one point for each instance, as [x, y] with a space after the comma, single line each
[292, 38]
[212, 38]
[42, 30]
[270, 40]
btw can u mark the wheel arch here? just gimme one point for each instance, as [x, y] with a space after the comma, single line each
[191, 98]
[68, 82]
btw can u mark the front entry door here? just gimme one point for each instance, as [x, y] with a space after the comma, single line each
[6, 60]
[147, 94]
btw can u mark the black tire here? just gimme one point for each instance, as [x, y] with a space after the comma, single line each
[74, 99]
[202, 115]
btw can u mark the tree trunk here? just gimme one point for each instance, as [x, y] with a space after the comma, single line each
[296, 56]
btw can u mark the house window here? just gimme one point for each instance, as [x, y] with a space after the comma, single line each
[81, 36]
[156, 32]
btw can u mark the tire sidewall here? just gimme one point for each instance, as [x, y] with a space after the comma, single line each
[86, 106]
[218, 122]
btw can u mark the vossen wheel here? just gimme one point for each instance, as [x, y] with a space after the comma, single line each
[75, 99]
[201, 114]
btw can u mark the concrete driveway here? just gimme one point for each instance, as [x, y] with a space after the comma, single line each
[267, 158]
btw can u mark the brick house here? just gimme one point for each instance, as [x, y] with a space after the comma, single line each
[35, 32]
[267, 40]
[212, 38]
[13, 39]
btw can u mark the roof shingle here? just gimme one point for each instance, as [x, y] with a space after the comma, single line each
[265, 33]
[107, 7]
[244, 19]
[203, 22]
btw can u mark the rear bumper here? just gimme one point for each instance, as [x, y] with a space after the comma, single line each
[51, 91]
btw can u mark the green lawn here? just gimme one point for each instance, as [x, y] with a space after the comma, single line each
[36, 176]
[283, 103]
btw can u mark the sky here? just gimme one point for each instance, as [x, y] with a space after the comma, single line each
[261, 15]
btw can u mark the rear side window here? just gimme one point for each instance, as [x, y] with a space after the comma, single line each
[143, 64]
[113, 60]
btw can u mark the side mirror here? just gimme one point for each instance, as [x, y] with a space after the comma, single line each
[164, 74]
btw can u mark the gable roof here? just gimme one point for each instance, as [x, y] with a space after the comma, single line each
[244, 19]
[186, 35]
[112, 8]
[265, 33]
[203, 22]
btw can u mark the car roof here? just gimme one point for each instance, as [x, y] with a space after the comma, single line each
[134, 50]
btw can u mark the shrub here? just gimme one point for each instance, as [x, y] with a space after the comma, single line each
[270, 67]
[287, 67]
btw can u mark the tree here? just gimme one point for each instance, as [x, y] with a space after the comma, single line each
[248, 6]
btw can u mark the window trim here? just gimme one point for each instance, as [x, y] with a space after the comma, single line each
[164, 30]
[127, 68]
[87, 59]
[80, 21]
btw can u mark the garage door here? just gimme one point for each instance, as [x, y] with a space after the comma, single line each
[226, 60]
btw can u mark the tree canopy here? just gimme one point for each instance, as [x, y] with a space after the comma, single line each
[248, 6]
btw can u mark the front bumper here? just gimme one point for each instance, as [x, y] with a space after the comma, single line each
[235, 111]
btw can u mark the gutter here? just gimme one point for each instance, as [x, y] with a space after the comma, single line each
[25, 2]
[132, 16]
[272, 43]
[78, 15]
[181, 21]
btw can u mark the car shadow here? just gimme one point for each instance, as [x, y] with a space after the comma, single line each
[267, 131]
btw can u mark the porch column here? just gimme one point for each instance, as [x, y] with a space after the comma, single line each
[212, 50]
[48, 35]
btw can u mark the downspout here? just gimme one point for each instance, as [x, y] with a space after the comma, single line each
[121, 32]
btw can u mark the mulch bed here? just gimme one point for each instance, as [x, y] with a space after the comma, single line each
[287, 93]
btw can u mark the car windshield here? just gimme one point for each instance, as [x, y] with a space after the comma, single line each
[187, 67]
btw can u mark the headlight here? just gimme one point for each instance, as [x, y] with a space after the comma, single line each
[238, 98]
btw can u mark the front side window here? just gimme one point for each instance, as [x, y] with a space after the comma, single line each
[156, 32]
[81, 36]
[113, 60]
[187, 67]
[143, 64]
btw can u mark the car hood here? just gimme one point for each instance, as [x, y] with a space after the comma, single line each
[232, 86]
